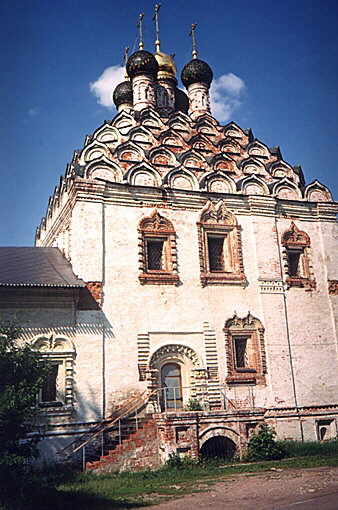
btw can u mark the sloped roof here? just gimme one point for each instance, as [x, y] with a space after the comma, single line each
[36, 267]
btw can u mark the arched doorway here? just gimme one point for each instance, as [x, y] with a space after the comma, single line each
[220, 447]
[171, 385]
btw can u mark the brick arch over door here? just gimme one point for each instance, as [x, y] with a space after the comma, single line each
[219, 431]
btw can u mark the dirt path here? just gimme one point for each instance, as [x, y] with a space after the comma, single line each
[315, 488]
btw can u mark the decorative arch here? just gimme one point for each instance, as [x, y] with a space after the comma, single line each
[297, 257]
[182, 179]
[254, 185]
[233, 130]
[161, 156]
[317, 192]
[143, 175]
[193, 160]
[174, 351]
[107, 134]
[142, 136]
[129, 152]
[253, 166]
[213, 431]
[157, 250]
[123, 122]
[245, 350]
[257, 148]
[220, 252]
[286, 190]
[95, 150]
[104, 169]
[217, 182]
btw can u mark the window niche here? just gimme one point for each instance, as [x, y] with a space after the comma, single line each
[58, 389]
[219, 246]
[157, 251]
[245, 350]
[296, 246]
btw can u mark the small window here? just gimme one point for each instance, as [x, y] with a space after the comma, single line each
[216, 253]
[157, 250]
[155, 254]
[48, 392]
[245, 351]
[326, 429]
[220, 252]
[294, 259]
[241, 351]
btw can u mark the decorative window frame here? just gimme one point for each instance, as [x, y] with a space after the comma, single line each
[150, 228]
[251, 328]
[298, 241]
[216, 220]
[61, 351]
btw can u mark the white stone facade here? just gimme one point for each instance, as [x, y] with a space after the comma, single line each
[197, 183]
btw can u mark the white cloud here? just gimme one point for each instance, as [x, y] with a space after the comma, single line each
[104, 86]
[226, 95]
[32, 112]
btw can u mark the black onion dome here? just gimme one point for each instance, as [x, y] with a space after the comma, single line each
[196, 71]
[181, 101]
[141, 62]
[123, 94]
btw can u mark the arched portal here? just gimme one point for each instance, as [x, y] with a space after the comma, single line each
[220, 447]
[172, 386]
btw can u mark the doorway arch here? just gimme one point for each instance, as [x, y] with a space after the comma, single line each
[171, 384]
[218, 447]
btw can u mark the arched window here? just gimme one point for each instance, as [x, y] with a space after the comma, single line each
[219, 246]
[296, 246]
[157, 245]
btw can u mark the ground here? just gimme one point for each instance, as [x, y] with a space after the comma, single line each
[276, 489]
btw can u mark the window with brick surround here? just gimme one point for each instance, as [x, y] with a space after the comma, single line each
[296, 251]
[245, 350]
[219, 246]
[157, 250]
[58, 389]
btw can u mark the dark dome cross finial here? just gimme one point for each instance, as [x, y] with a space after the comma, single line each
[140, 27]
[193, 40]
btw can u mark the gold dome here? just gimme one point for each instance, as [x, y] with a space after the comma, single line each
[166, 64]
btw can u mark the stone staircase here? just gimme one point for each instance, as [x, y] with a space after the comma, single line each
[111, 434]
[138, 449]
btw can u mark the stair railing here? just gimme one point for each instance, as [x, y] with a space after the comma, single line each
[132, 405]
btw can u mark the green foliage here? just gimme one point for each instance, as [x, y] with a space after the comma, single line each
[310, 448]
[21, 377]
[177, 461]
[263, 446]
[194, 405]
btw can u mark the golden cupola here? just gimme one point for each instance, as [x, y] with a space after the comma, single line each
[166, 66]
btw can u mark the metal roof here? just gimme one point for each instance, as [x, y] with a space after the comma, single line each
[36, 267]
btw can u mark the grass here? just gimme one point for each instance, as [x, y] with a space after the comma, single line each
[299, 449]
[140, 489]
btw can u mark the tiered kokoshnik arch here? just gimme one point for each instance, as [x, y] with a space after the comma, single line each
[162, 137]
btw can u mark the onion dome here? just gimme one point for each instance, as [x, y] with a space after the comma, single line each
[196, 71]
[181, 101]
[166, 66]
[141, 62]
[123, 94]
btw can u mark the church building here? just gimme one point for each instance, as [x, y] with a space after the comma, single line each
[183, 283]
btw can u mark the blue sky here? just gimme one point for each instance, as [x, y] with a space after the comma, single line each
[278, 62]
